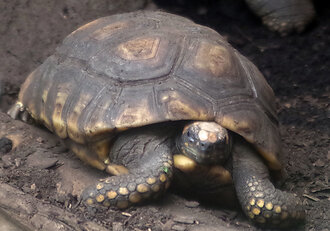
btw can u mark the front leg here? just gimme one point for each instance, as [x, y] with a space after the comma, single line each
[260, 200]
[147, 154]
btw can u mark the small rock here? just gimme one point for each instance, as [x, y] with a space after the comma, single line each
[184, 220]
[191, 204]
[7, 161]
[287, 105]
[319, 163]
[117, 226]
[126, 214]
[179, 227]
[168, 225]
[33, 187]
[40, 140]
[328, 156]
[41, 161]
[5, 145]
[18, 162]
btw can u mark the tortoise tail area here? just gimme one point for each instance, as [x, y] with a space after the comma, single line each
[147, 155]
[260, 200]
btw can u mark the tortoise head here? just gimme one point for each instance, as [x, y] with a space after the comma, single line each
[205, 142]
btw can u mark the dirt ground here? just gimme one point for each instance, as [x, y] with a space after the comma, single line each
[37, 175]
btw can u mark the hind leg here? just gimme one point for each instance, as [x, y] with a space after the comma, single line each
[94, 156]
[18, 111]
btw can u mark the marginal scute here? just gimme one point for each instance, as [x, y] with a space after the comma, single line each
[84, 154]
[59, 124]
[178, 106]
[74, 131]
[134, 115]
[96, 125]
[256, 129]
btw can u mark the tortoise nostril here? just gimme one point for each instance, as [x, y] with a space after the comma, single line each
[204, 146]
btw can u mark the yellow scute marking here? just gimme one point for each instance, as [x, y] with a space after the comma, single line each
[179, 107]
[135, 197]
[97, 124]
[73, 128]
[123, 191]
[139, 48]
[86, 26]
[277, 209]
[230, 123]
[269, 206]
[256, 211]
[43, 116]
[99, 198]
[214, 59]
[108, 30]
[260, 203]
[111, 194]
[61, 97]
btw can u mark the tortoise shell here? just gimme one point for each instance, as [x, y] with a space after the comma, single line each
[141, 68]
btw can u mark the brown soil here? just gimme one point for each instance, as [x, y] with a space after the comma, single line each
[37, 175]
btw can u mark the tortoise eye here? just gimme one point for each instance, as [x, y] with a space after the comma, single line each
[190, 137]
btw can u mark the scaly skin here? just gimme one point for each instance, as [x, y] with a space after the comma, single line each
[147, 154]
[284, 16]
[260, 200]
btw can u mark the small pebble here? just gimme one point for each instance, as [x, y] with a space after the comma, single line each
[117, 226]
[319, 163]
[184, 220]
[33, 187]
[179, 227]
[126, 214]
[191, 204]
[5, 145]
[18, 162]
[7, 160]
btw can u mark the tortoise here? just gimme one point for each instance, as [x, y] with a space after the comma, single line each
[283, 16]
[142, 94]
